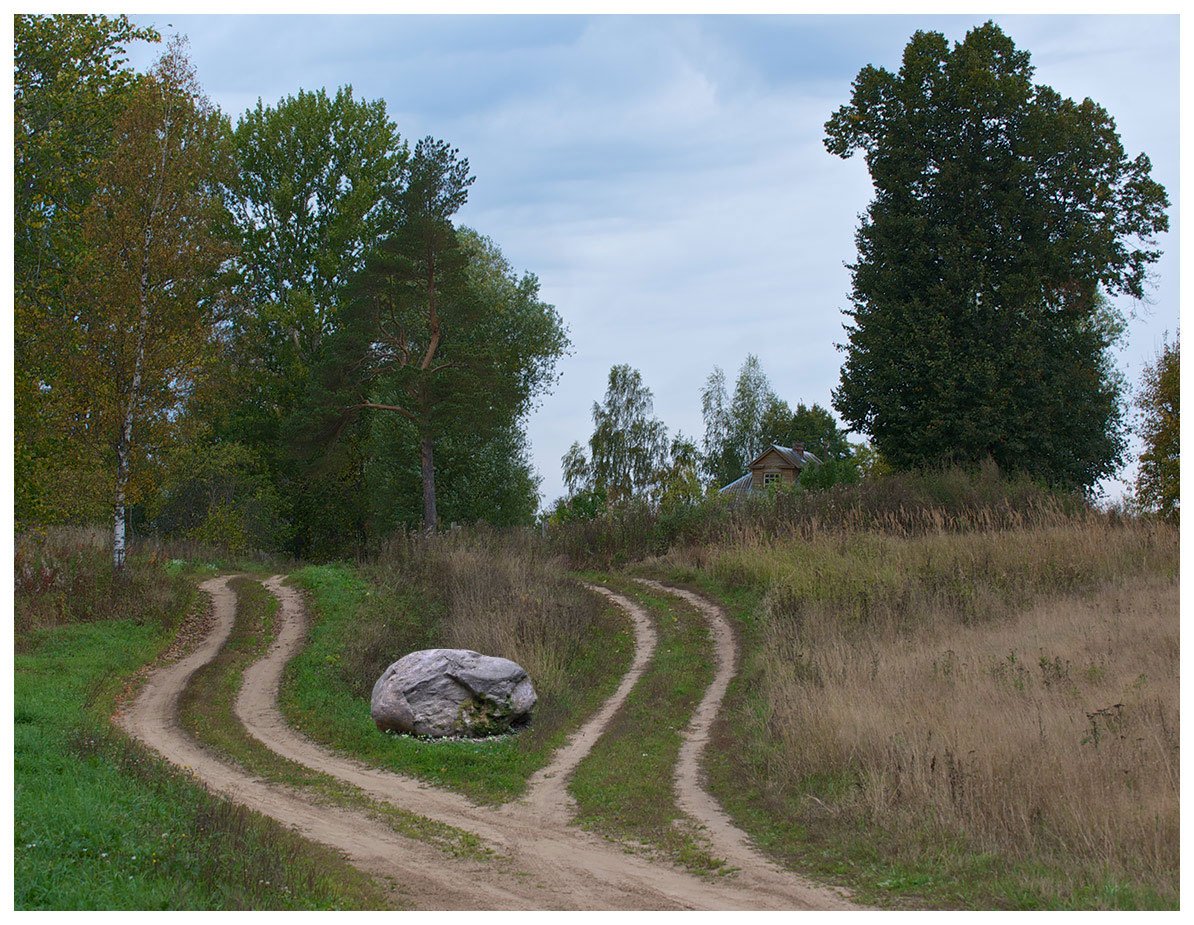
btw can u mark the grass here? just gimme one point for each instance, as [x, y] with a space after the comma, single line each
[100, 823]
[933, 719]
[207, 711]
[625, 786]
[331, 705]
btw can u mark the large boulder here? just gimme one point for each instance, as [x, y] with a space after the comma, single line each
[449, 692]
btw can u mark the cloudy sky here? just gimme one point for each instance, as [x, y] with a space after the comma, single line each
[664, 176]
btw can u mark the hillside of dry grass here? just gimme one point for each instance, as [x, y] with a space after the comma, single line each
[1004, 695]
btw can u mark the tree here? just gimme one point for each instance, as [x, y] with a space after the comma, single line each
[1158, 483]
[316, 188]
[628, 450]
[152, 252]
[437, 329]
[315, 191]
[70, 82]
[734, 429]
[718, 458]
[812, 425]
[679, 478]
[1002, 214]
[488, 479]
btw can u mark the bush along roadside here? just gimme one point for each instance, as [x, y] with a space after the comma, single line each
[101, 823]
[329, 701]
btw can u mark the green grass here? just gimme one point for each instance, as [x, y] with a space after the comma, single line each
[100, 823]
[207, 711]
[624, 787]
[905, 868]
[317, 698]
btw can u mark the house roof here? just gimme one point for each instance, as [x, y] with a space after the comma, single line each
[789, 455]
[739, 486]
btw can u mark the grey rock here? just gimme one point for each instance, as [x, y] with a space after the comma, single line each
[449, 692]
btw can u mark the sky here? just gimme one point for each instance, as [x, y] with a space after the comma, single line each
[664, 176]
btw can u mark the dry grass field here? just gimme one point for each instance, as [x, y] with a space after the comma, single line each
[1015, 691]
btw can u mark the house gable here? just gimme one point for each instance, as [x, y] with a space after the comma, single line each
[771, 459]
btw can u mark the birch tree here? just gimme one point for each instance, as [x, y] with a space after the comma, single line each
[153, 251]
[71, 79]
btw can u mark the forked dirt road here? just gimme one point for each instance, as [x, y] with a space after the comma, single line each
[544, 862]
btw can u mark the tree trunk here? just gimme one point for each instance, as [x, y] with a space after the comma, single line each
[427, 455]
[118, 528]
[124, 444]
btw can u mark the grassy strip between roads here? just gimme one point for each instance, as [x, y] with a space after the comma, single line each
[100, 823]
[207, 712]
[625, 786]
[804, 828]
[316, 697]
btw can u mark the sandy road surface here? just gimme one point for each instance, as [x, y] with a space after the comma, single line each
[546, 863]
[728, 841]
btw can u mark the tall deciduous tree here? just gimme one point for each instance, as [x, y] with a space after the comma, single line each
[315, 191]
[1158, 483]
[70, 82]
[438, 329]
[734, 426]
[153, 249]
[317, 180]
[628, 449]
[1001, 212]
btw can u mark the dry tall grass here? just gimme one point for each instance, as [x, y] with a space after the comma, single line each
[499, 593]
[1016, 688]
[64, 575]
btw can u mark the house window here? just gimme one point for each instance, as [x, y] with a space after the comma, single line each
[770, 478]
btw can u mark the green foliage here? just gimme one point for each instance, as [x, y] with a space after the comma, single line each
[440, 332]
[1001, 212]
[628, 448]
[679, 479]
[1158, 484]
[476, 480]
[737, 430]
[315, 189]
[832, 472]
[578, 506]
[314, 193]
[70, 83]
[220, 494]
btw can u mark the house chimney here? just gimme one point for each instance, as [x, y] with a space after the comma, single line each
[798, 447]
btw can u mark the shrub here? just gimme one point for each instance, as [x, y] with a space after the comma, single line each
[65, 575]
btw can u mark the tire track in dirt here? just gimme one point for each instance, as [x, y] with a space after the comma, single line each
[548, 865]
[152, 718]
[692, 797]
[547, 790]
[598, 874]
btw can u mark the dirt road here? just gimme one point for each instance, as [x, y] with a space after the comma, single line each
[543, 861]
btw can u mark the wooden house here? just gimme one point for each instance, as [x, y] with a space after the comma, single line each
[776, 464]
